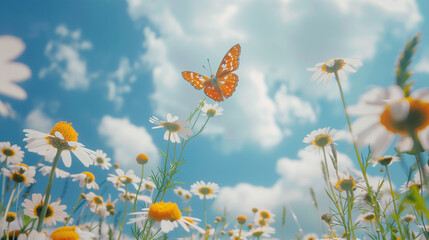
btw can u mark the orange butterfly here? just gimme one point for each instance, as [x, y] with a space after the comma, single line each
[224, 83]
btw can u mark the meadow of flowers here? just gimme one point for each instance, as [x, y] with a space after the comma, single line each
[360, 207]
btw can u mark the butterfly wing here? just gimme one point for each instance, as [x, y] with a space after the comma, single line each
[230, 62]
[213, 91]
[197, 80]
[228, 83]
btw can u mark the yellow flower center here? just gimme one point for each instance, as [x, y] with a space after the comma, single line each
[100, 160]
[109, 206]
[385, 161]
[38, 211]
[257, 233]
[187, 196]
[18, 177]
[98, 200]
[408, 218]
[346, 184]
[211, 112]
[8, 152]
[179, 193]
[23, 165]
[125, 180]
[262, 222]
[369, 217]
[164, 211]
[10, 216]
[333, 65]
[89, 177]
[322, 140]
[311, 238]
[205, 190]
[148, 187]
[142, 158]
[241, 219]
[170, 126]
[265, 214]
[417, 119]
[13, 235]
[65, 233]
[66, 130]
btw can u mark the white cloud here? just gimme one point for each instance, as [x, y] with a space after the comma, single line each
[423, 65]
[296, 177]
[120, 82]
[6, 110]
[279, 40]
[39, 121]
[64, 53]
[127, 141]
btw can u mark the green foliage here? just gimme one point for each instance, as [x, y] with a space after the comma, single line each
[402, 71]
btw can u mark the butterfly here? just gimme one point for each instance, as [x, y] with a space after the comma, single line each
[224, 83]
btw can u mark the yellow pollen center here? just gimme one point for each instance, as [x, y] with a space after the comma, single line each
[265, 214]
[369, 218]
[66, 130]
[89, 177]
[10, 216]
[170, 126]
[18, 177]
[164, 211]
[322, 140]
[385, 161]
[125, 180]
[417, 119]
[100, 160]
[65, 233]
[8, 152]
[257, 233]
[346, 184]
[211, 112]
[98, 200]
[205, 190]
[336, 66]
[38, 211]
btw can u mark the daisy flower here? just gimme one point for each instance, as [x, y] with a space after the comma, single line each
[166, 216]
[185, 195]
[122, 178]
[408, 218]
[310, 236]
[345, 182]
[412, 184]
[96, 204]
[324, 72]
[367, 217]
[320, 138]
[211, 110]
[100, 159]
[262, 231]
[385, 113]
[55, 212]
[173, 128]
[132, 196]
[205, 190]
[13, 153]
[86, 179]
[62, 136]
[71, 233]
[45, 170]
[385, 161]
[110, 205]
[21, 173]
[266, 214]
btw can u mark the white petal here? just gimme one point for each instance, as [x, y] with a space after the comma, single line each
[66, 158]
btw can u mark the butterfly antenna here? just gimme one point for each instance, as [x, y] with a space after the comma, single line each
[211, 72]
[206, 69]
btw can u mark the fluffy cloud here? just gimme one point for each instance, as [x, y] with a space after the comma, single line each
[277, 46]
[120, 82]
[423, 65]
[127, 141]
[64, 53]
[38, 120]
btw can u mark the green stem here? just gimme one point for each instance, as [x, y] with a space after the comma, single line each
[138, 190]
[75, 206]
[125, 212]
[48, 191]
[396, 215]
[376, 212]
[10, 202]
[239, 233]
[349, 205]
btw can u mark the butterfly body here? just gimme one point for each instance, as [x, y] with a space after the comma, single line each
[223, 84]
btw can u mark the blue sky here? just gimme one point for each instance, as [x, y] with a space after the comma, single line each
[107, 66]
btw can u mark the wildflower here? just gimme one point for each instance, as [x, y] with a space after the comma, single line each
[385, 161]
[241, 219]
[142, 158]
[267, 215]
[86, 179]
[182, 193]
[100, 159]
[11, 72]
[346, 182]
[367, 217]
[320, 138]
[211, 110]
[262, 232]
[10, 217]
[21, 173]
[410, 185]
[71, 233]
[129, 196]
[204, 190]
[167, 216]
[110, 205]
[385, 113]
[310, 236]
[55, 212]
[96, 204]
[63, 137]
[45, 170]
[409, 218]
[13, 153]
[173, 128]
[122, 179]
[324, 72]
